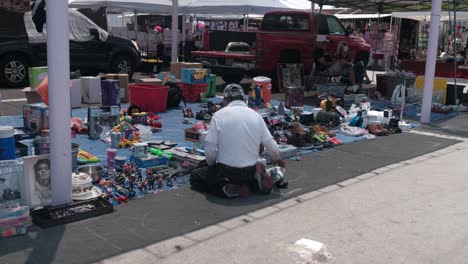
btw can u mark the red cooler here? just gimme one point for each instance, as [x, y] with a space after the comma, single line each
[265, 82]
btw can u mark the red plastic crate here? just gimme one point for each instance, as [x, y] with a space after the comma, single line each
[192, 92]
[149, 97]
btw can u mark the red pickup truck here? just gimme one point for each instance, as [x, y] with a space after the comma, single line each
[284, 37]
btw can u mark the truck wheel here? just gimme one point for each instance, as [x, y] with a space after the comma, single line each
[14, 70]
[232, 76]
[123, 64]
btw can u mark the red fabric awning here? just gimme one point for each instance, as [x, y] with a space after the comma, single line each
[19, 6]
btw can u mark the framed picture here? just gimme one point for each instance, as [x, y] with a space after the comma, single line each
[11, 171]
[290, 75]
[36, 189]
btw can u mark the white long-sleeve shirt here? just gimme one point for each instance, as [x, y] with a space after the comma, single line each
[235, 135]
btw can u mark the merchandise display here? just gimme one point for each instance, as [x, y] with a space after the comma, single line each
[123, 152]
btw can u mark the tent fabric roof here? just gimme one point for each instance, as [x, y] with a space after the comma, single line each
[387, 6]
[421, 16]
[197, 6]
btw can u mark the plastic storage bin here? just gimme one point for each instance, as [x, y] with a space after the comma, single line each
[149, 97]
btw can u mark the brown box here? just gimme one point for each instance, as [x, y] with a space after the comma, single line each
[155, 81]
[192, 135]
[32, 96]
[123, 82]
[176, 67]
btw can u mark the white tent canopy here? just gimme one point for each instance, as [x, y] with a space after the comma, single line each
[197, 6]
[421, 16]
[157, 6]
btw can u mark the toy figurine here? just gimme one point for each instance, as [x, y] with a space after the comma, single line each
[150, 178]
[169, 181]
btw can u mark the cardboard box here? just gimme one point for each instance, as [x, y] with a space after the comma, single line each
[166, 77]
[176, 67]
[36, 76]
[192, 135]
[36, 117]
[76, 93]
[154, 81]
[196, 75]
[91, 89]
[32, 97]
[123, 83]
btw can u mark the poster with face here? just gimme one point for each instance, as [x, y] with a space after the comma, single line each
[37, 181]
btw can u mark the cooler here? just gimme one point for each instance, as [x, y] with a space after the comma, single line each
[265, 83]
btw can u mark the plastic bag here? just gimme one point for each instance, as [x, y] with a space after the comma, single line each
[311, 252]
[43, 90]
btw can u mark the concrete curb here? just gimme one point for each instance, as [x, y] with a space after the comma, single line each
[174, 245]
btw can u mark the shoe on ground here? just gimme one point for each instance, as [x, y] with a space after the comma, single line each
[265, 183]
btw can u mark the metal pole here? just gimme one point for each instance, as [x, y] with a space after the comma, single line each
[183, 37]
[431, 61]
[455, 48]
[58, 61]
[175, 33]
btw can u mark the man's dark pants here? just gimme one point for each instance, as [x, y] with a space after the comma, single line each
[213, 178]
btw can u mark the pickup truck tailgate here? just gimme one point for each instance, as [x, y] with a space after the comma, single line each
[238, 56]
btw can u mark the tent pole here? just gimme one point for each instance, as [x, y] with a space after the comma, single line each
[431, 61]
[455, 48]
[183, 36]
[58, 61]
[175, 31]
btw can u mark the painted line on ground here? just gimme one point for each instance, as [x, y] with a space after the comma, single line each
[14, 100]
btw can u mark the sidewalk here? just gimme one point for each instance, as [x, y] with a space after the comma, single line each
[415, 211]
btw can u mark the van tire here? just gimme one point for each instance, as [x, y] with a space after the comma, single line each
[123, 64]
[14, 70]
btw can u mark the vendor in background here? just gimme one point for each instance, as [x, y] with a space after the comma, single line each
[332, 66]
[159, 41]
[360, 70]
[232, 148]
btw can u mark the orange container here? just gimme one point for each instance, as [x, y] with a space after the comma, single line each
[149, 97]
[265, 83]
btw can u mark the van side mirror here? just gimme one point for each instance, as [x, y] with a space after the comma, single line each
[94, 32]
[349, 30]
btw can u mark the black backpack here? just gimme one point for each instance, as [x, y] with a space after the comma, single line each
[174, 95]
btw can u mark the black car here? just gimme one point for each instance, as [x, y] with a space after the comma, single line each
[92, 50]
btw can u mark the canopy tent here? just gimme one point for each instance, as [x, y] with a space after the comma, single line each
[421, 16]
[156, 6]
[239, 6]
[385, 6]
[388, 6]
[196, 6]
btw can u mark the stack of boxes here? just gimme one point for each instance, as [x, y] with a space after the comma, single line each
[194, 80]
[14, 219]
